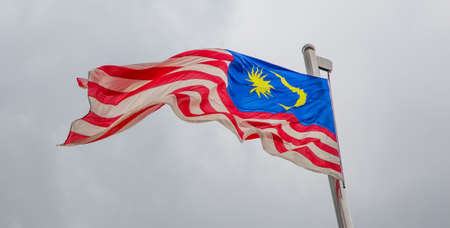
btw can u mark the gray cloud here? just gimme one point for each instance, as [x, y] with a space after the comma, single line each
[390, 90]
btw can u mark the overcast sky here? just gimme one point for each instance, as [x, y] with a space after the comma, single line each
[391, 90]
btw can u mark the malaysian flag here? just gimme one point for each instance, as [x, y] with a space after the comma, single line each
[290, 112]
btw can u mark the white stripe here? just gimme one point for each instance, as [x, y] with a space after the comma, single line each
[323, 154]
[185, 61]
[215, 100]
[316, 150]
[140, 66]
[127, 85]
[93, 135]
[286, 127]
[145, 98]
[301, 161]
[85, 128]
[296, 158]
[311, 134]
[115, 83]
[194, 102]
[212, 70]
[221, 118]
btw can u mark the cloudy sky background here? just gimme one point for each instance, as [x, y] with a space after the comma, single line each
[391, 91]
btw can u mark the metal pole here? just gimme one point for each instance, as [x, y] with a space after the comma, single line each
[313, 65]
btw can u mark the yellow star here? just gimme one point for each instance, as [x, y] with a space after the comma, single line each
[261, 86]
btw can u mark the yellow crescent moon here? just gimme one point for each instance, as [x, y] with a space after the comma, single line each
[301, 94]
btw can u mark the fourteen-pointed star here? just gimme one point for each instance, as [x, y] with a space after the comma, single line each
[260, 86]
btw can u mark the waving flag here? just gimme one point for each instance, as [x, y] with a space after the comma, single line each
[290, 112]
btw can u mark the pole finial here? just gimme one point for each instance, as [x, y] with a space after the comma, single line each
[308, 46]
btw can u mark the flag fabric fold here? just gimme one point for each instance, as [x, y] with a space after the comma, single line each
[290, 112]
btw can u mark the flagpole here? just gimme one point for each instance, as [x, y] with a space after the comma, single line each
[313, 65]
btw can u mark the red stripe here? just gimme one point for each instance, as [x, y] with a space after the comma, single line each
[141, 74]
[74, 137]
[183, 105]
[327, 148]
[100, 121]
[184, 75]
[206, 53]
[112, 97]
[82, 82]
[302, 128]
[123, 123]
[104, 95]
[219, 64]
[252, 136]
[203, 91]
[183, 101]
[307, 153]
[278, 142]
[279, 116]
[295, 141]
